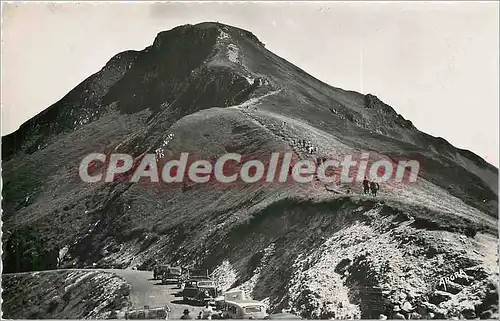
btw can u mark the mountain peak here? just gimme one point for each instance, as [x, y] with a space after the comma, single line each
[204, 29]
[235, 31]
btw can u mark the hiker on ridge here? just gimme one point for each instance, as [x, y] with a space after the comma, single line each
[374, 188]
[366, 186]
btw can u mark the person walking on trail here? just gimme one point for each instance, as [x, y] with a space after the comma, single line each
[366, 186]
[185, 315]
[374, 188]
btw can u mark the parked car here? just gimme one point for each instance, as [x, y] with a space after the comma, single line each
[200, 291]
[159, 269]
[244, 309]
[197, 274]
[172, 274]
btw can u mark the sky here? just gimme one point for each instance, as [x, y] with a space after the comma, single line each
[436, 63]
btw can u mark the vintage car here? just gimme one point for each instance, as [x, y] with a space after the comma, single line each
[197, 274]
[158, 270]
[172, 274]
[244, 309]
[200, 291]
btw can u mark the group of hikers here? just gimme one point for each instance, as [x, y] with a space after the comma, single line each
[370, 187]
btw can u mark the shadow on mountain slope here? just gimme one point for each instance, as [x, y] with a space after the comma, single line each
[62, 294]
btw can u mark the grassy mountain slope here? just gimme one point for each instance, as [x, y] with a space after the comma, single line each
[217, 90]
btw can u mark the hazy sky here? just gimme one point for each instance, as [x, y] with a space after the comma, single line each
[435, 63]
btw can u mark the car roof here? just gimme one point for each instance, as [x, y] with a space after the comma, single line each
[246, 302]
[283, 316]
